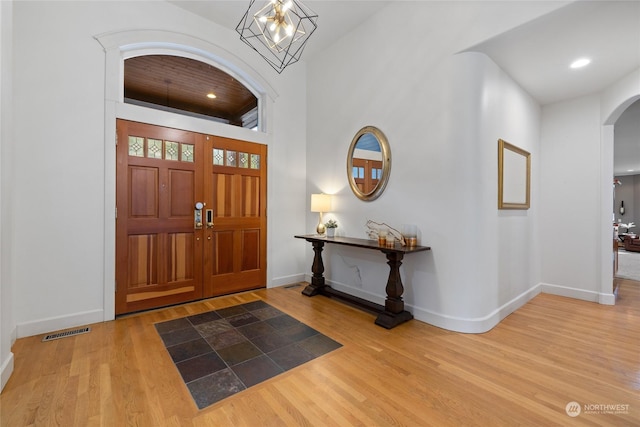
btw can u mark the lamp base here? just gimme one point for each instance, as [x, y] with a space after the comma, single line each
[321, 229]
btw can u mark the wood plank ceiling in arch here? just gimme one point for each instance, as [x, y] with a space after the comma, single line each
[181, 84]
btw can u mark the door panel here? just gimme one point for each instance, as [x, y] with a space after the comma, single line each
[158, 251]
[235, 253]
[222, 253]
[143, 191]
[181, 193]
[143, 260]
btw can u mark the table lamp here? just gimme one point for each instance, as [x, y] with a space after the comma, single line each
[320, 203]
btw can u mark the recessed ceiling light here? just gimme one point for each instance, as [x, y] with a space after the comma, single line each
[579, 63]
[629, 170]
[211, 95]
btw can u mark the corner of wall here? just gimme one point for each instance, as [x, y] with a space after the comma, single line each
[286, 280]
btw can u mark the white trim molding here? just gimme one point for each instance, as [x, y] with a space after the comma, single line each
[476, 325]
[57, 323]
[6, 369]
[582, 294]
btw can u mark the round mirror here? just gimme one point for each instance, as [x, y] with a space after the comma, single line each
[368, 163]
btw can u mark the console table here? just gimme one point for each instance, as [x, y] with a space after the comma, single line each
[392, 313]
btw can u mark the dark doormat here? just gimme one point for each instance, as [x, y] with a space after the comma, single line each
[222, 352]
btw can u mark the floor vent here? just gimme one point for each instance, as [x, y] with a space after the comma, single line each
[65, 334]
[295, 285]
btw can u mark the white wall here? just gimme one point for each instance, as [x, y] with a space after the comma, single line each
[61, 176]
[7, 323]
[443, 114]
[577, 150]
[570, 200]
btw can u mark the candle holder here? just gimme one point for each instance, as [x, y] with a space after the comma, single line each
[410, 234]
[382, 238]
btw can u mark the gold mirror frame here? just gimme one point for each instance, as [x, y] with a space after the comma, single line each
[385, 151]
[514, 177]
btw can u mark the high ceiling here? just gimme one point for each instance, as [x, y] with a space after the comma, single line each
[537, 54]
[335, 17]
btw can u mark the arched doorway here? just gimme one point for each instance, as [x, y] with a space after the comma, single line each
[625, 94]
[626, 207]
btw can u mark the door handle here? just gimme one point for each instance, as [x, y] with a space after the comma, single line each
[197, 215]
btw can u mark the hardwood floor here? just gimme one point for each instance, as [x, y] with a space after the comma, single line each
[525, 371]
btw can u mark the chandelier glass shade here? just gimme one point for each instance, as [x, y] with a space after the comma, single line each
[278, 30]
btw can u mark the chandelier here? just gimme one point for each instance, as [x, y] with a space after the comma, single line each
[278, 30]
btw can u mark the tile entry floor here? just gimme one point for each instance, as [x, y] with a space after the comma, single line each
[222, 352]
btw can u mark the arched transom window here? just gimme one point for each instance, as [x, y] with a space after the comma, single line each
[190, 87]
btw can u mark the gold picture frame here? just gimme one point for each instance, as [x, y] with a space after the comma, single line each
[514, 177]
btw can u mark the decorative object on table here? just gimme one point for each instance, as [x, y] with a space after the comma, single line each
[368, 163]
[320, 203]
[514, 177]
[278, 30]
[622, 207]
[390, 242]
[410, 234]
[331, 226]
[627, 226]
[382, 237]
[374, 229]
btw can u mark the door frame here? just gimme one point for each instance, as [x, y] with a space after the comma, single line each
[607, 286]
[121, 45]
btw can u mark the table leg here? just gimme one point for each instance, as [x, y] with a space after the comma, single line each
[317, 280]
[394, 312]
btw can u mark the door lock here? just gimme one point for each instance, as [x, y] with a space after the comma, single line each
[209, 218]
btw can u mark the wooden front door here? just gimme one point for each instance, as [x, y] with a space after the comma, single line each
[165, 253]
[236, 185]
[366, 174]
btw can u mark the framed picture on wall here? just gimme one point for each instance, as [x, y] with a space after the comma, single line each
[514, 177]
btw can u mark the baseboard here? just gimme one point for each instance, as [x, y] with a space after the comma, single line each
[451, 323]
[476, 325]
[51, 324]
[6, 369]
[481, 324]
[286, 280]
[581, 294]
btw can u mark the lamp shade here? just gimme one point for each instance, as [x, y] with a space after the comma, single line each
[320, 203]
